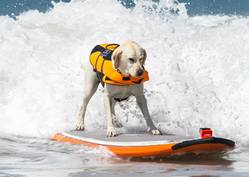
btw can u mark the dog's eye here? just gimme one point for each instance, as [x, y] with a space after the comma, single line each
[141, 60]
[131, 60]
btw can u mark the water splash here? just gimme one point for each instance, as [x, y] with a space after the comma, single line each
[198, 67]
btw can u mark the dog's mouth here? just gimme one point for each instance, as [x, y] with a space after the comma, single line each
[126, 74]
[138, 74]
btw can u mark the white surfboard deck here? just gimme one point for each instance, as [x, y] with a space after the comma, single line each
[142, 139]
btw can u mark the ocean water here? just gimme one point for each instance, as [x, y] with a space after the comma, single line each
[13, 8]
[197, 61]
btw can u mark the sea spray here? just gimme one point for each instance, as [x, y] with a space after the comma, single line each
[198, 68]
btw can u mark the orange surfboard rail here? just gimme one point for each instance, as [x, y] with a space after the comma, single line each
[152, 149]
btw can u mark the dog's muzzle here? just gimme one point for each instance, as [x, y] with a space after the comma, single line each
[140, 72]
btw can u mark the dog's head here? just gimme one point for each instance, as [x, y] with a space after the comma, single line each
[129, 59]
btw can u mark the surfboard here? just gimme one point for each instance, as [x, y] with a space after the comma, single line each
[146, 145]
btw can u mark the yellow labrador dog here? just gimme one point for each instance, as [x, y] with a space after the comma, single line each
[128, 59]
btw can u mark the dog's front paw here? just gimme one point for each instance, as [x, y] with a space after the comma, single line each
[80, 126]
[111, 132]
[155, 132]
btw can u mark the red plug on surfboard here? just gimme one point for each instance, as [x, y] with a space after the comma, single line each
[206, 133]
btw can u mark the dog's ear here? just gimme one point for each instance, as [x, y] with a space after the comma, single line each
[116, 57]
[144, 57]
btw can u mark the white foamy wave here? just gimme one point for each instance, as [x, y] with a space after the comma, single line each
[198, 68]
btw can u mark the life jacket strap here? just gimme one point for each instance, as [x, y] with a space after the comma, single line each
[100, 76]
[126, 78]
[120, 99]
[105, 52]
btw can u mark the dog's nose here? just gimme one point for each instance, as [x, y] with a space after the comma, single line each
[140, 72]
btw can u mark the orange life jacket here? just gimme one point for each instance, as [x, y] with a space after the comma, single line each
[100, 59]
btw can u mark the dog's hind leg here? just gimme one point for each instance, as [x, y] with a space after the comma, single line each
[91, 85]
